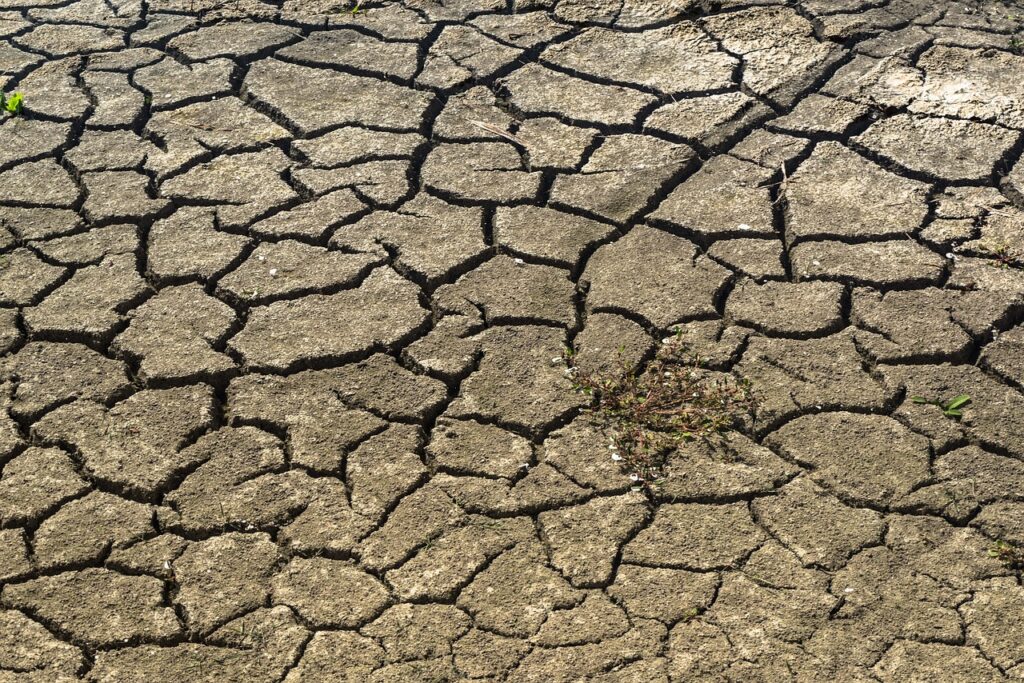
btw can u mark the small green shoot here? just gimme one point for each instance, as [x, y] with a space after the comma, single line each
[356, 8]
[1016, 45]
[1010, 555]
[950, 408]
[14, 104]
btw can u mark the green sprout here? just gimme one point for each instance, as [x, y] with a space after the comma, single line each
[950, 408]
[1008, 554]
[1016, 45]
[14, 104]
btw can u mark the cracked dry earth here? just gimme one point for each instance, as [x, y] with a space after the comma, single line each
[284, 288]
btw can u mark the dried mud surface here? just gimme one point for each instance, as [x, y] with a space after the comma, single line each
[284, 287]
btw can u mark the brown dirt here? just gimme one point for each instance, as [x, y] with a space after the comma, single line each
[285, 287]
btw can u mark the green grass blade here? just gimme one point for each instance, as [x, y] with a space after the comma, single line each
[959, 401]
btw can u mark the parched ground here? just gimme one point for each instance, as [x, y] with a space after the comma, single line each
[285, 288]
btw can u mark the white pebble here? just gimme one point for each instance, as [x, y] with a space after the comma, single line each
[744, 226]
[273, 272]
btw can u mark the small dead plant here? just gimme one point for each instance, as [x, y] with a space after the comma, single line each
[1002, 257]
[647, 413]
